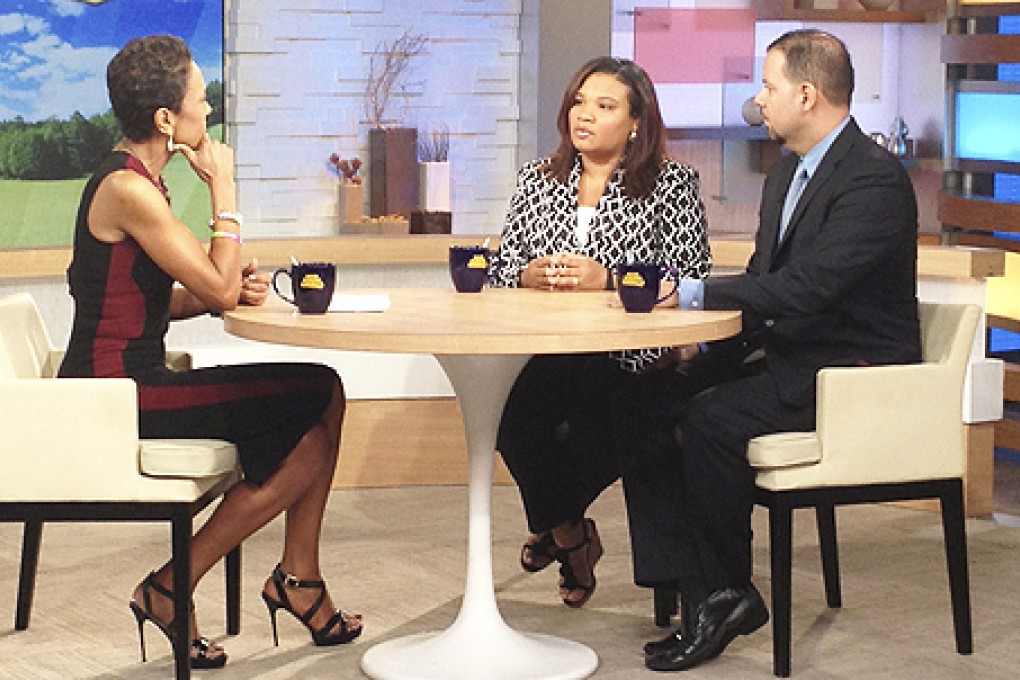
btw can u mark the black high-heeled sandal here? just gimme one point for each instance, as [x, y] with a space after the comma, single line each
[592, 545]
[200, 647]
[321, 637]
[542, 553]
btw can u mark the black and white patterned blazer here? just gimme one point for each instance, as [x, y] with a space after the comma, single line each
[667, 227]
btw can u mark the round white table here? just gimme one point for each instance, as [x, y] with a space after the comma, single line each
[482, 340]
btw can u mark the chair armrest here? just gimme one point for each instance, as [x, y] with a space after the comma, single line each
[56, 432]
[890, 422]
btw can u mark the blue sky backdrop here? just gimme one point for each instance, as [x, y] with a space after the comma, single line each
[53, 53]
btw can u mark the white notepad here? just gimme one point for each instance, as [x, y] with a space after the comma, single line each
[359, 302]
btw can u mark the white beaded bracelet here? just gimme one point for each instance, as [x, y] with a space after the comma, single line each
[229, 216]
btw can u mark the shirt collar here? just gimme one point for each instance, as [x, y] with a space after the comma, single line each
[813, 158]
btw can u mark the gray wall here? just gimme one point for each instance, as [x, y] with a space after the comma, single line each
[557, 36]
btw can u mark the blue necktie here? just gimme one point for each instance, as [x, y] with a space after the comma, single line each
[800, 180]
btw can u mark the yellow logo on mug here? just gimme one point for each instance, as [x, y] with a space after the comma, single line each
[632, 279]
[312, 281]
[477, 262]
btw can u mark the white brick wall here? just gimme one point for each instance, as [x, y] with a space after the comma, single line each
[296, 72]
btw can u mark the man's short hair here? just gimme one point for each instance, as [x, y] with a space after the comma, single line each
[821, 59]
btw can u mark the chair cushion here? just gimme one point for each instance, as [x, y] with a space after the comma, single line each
[186, 457]
[784, 449]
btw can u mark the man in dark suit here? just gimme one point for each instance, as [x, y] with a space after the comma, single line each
[832, 282]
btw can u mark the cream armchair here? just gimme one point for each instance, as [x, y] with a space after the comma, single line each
[70, 452]
[883, 433]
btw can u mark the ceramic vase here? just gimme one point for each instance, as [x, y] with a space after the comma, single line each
[352, 203]
[434, 186]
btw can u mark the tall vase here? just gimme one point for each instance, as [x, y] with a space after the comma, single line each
[434, 186]
[393, 181]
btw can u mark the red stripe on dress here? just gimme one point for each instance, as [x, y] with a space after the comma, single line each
[156, 398]
[113, 335]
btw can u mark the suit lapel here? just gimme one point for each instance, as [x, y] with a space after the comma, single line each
[772, 210]
[840, 146]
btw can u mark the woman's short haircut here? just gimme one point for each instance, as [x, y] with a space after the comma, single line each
[147, 74]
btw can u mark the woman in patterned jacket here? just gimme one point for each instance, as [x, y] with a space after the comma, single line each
[608, 194]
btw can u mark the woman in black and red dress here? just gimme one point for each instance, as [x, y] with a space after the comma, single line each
[129, 251]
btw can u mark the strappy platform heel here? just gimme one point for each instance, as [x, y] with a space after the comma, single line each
[200, 647]
[543, 553]
[592, 545]
[321, 637]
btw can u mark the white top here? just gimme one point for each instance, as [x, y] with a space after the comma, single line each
[585, 214]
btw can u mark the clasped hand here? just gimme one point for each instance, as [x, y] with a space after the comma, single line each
[254, 285]
[566, 271]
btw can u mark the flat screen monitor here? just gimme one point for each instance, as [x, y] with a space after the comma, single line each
[986, 126]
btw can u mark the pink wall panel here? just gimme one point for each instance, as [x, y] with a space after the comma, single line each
[695, 45]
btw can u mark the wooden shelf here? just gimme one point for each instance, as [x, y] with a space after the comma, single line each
[862, 16]
[991, 9]
[354, 249]
[984, 167]
[727, 252]
[979, 48]
[918, 12]
[978, 213]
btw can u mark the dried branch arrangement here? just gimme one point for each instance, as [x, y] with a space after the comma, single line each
[385, 67]
[434, 146]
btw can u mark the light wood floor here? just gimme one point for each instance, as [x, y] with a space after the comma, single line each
[397, 556]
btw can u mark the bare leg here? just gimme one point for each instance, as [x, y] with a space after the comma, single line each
[582, 550]
[304, 526]
[301, 486]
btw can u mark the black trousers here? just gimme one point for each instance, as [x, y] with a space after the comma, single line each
[688, 485]
[556, 434]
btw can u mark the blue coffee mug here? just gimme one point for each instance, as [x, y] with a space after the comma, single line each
[638, 285]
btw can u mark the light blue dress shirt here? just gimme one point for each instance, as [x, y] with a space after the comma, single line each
[692, 291]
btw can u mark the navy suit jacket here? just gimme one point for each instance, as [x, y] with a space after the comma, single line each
[841, 287]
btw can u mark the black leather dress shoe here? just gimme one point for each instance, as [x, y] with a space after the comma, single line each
[671, 642]
[723, 615]
[674, 639]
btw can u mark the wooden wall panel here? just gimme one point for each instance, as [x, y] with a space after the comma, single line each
[400, 442]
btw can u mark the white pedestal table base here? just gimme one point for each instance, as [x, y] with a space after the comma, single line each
[479, 644]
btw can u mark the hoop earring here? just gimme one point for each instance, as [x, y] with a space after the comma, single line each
[170, 142]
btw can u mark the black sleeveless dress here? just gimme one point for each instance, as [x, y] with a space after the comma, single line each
[122, 311]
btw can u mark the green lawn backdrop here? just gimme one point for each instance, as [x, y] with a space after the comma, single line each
[41, 213]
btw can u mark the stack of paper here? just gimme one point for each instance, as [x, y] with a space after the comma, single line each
[360, 302]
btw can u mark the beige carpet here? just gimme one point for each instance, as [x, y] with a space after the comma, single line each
[397, 556]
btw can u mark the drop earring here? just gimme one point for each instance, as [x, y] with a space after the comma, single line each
[170, 142]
